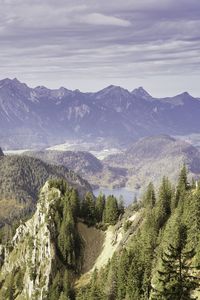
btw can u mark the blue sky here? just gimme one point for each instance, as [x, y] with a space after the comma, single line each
[91, 44]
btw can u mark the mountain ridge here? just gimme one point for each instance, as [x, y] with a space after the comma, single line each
[21, 180]
[113, 113]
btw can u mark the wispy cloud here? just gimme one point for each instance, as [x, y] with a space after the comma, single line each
[101, 19]
[74, 43]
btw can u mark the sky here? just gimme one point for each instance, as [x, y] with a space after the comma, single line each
[91, 44]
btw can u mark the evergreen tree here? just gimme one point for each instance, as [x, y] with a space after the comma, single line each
[134, 278]
[74, 202]
[88, 209]
[192, 212]
[163, 208]
[66, 242]
[111, 212]
[182, 186]
[99, 207]
[111, 284]
[95, 292]
[149, 199]
[122, 275]
[174, 278]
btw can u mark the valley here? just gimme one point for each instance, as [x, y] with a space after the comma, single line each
[99, 150]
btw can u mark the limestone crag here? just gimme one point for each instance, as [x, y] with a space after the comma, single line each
[32, 251]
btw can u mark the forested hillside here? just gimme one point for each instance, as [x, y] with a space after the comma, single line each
[155, 249]
[45, 257]
[21, 180]
[161, 260]
[86, 165]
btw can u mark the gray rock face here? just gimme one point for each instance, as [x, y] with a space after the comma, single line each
[39, 116]
[32, 249]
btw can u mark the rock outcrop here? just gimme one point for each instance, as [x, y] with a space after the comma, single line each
[29, 257]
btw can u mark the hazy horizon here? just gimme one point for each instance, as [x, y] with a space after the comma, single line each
[89, 45]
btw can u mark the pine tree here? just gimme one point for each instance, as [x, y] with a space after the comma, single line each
[149, 199]
[193, 221]
[174, 278]
[88, 209]
[66, 242]
[95, 292]
[111, 284]
[99, 207]
[134, 278]
[74, 203]
[122, 275]
[163, 207]
[111, 212]
[182, 186]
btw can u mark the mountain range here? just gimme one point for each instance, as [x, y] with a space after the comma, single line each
[148, 159]
[37, 117]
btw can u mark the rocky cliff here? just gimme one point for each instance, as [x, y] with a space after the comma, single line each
[27, 262]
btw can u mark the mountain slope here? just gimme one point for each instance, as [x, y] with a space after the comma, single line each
[20, 182]
[42, 263]
[44, 260]
[35, 254]
[113, 113]
[151, 158]
[86, 165]
[32, 252]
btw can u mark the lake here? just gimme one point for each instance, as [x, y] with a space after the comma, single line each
[128, 195]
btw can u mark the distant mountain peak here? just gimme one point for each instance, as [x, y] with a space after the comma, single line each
[8, 81]
[14, 85]
[186, 95]
[180, 99]
[113, 90]
[142, 93]
[41, 87]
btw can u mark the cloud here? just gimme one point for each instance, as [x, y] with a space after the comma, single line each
[52, 40]
[101, 19]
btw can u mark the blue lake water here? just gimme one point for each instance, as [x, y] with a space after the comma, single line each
[128, 195]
